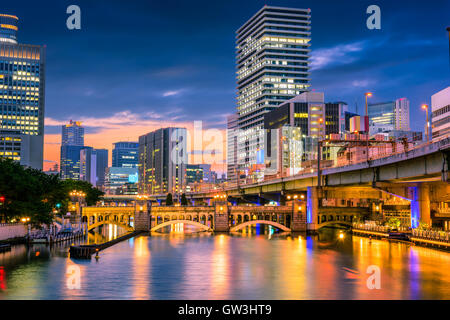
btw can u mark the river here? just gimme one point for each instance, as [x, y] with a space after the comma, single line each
[254, 264]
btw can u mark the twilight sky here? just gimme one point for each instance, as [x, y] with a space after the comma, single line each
[139, 65]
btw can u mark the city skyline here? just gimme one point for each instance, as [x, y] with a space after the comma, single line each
[164, 93]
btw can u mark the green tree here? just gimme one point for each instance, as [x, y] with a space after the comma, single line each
[169, 200]
[394, 223]
[184, 201]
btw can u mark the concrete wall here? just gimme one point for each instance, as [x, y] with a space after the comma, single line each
[9, 231]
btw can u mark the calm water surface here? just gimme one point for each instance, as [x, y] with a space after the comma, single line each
[255, 264]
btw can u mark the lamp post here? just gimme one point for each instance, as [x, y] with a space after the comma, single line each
[78, 195]
[427, 130]
[366, 124]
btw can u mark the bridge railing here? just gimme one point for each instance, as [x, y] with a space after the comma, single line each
[443, 236]
[371, 227]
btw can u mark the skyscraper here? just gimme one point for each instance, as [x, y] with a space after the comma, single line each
[232, 147]
[272, 51]
[22, 88]
[389, 116]
[93, 163]
[125, 154]
[72, 142]
[72, 134]
[162, 157]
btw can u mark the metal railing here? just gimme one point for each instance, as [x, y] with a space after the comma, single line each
[443, 236]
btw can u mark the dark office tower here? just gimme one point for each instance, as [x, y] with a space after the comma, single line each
[162, 157]
[93, 164]
[72, 141]
[125, 154]
[22, 90]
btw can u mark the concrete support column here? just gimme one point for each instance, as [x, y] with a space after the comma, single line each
[312, 208]
[420, 205]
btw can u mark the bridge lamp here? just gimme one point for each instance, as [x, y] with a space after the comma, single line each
[296, 196]
[341, 235]
[302, 196]
[425, 107]
[300, 208]
[289, 197]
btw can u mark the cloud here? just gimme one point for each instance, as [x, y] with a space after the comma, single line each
[172, 93]
[340, 54]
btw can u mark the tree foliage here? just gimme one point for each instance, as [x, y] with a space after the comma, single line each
[169, 200]
[31, 193]
[184, 201]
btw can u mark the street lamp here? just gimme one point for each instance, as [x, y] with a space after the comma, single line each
[366, 124]
[425, 107]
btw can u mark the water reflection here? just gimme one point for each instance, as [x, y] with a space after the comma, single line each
[258, 263]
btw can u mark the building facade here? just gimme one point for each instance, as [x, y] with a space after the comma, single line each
[125, 154]
[162, 157]
[93, 164]
[72, 142]
[232, 147]
[22, 86]
[272, 52]
[388, 116]
[21, 147]
[72, 134]
[117, 177]
[440, 108]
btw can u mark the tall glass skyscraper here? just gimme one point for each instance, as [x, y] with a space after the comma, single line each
[162, 157]
[389, 116]
[272, 52]
[72, 142]
[22, 86]
[125, 154]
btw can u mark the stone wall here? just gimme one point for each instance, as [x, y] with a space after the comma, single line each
[9, 231]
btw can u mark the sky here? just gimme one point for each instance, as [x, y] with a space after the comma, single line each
[136, 65]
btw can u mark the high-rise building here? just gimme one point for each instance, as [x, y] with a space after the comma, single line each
[125, 154]
[296, 126]
[72, 134]
[162, 157]
[93, 164]
[72, 142]
[20, 147]
[70, 162]
[22, 87]
[193, 173]
[272, 52]
[232, 147]
[440, 108]
[388, 116]
[118, 177]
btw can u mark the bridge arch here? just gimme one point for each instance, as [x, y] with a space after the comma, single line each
[253, 222]
[189, 222]
[100, 223]
[335, 223]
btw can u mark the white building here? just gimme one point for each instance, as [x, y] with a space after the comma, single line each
[389, 116]
[272, 51]
[440, 108]
[232, 147]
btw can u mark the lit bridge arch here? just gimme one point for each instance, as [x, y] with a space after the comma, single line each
[253, 222]
[98, 224]
[189, 222]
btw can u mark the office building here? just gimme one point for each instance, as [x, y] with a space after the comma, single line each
[303, 120]
[125, 154]
[70, 162]
[117, 177]
[272, 52]
[22, 148]
[93, 164]
[72, 134]
[388, 116]
[162, 157]
[440, 108]
[72, 142]
[193, 173]
[22, 87]
[232, 147]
